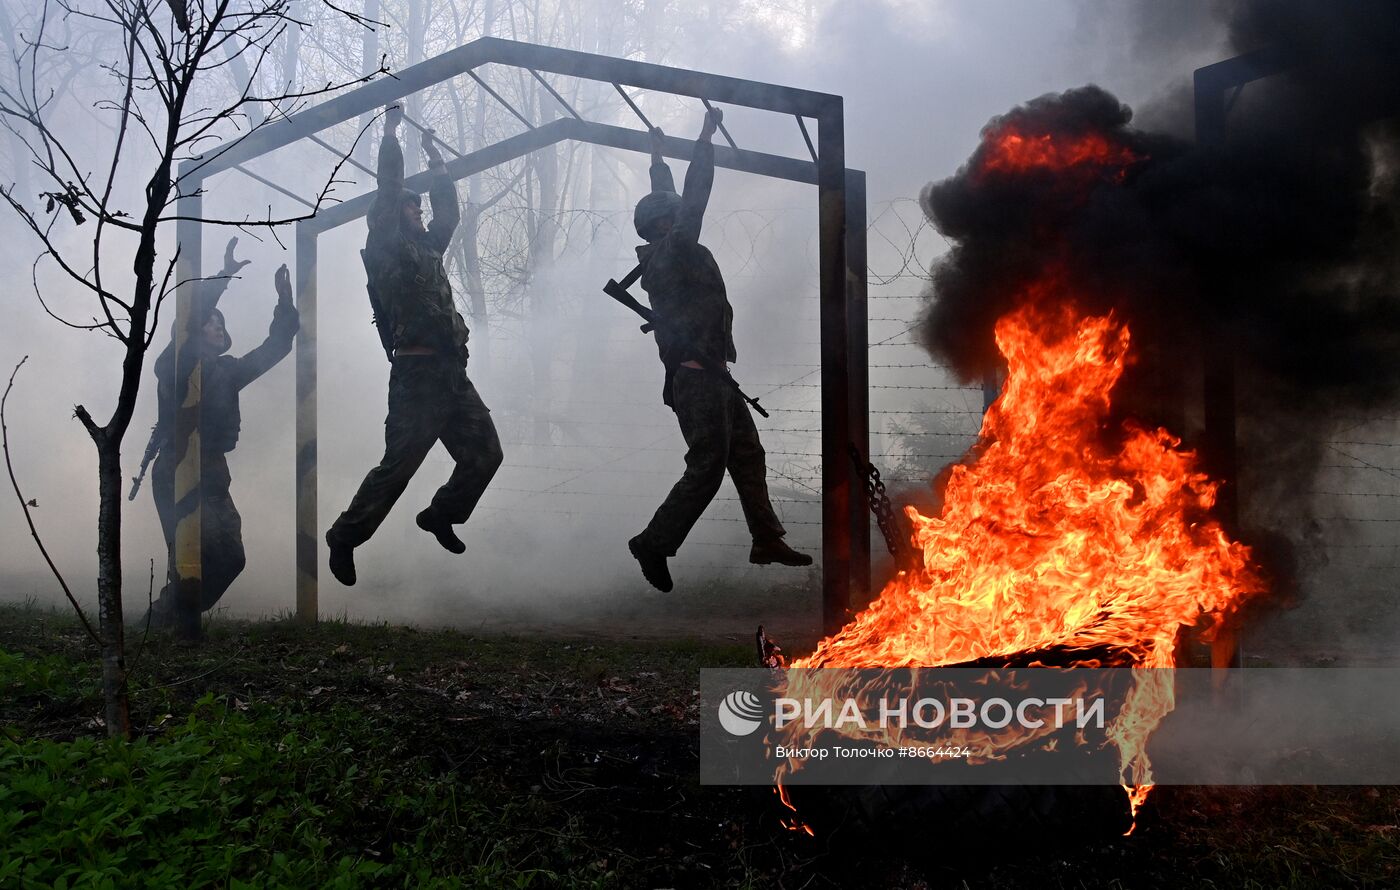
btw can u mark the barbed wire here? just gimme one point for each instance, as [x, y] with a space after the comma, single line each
[876, 411]
[746, 237]
[1389, 471]
[1358, 494]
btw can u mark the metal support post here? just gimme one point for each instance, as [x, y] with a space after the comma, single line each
[308, 549]
[858, 377]
[837, 499]
[189, 554]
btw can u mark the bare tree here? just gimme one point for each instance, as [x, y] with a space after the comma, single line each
[170, 103]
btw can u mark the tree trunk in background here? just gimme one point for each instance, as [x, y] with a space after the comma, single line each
[108, 440]
[19, 165]
[469, 261]
[291, 51]
[543, 229]
[413, 105]
[111, 627]
[590, 338]
[468, 232]
[369, 61]
[242, 80]
[652, 10]
[19, 155]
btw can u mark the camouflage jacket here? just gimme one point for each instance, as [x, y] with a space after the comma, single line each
[222, 376]
[682, 279]
[405, 268]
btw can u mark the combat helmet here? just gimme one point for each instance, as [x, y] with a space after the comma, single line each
[652, 209]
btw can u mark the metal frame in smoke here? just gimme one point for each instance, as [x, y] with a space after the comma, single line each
[842, 267]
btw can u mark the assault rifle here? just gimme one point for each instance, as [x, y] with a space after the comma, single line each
[380, 316]
[618, 291]
[153, 446]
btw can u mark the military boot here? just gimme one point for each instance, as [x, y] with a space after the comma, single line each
[776, 550]
[440, 528]
[342, 561]
[653, 564]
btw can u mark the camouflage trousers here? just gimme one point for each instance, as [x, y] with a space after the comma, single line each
[719, 435]
[221, 539]
[430, 400]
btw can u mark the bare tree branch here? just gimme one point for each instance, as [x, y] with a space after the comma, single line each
[39, 295]
[28, 517]
[168, 50]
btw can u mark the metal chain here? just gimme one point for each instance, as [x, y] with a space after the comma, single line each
[880, 505]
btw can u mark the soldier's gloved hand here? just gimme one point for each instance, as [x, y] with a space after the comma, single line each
[282, 281]
[430, 149]
[286, 321]
[393, 116]
[657, 143]
[713, 118]
[231, 263]
[285, 318]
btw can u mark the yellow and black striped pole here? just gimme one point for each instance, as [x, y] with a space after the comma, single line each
[308, 550]
[188, 478]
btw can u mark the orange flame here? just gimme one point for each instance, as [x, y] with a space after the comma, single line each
[1057, 532]
[1010, 150]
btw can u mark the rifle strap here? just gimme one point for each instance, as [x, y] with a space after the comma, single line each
[631, 277]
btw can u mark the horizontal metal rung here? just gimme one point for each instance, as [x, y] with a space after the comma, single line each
[806, 137]
[723, 132]
[274, 186]
[431, 135]
[335, 151]
[499, 98]
[633, 105]
[555, 93]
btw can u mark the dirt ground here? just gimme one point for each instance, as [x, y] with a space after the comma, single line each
[602, 736]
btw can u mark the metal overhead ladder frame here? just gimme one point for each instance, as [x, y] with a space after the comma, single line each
[1216, 88]
[841, 217]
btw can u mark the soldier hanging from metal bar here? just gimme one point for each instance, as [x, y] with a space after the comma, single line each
[693, 335]
[430, 397]
[222, 378]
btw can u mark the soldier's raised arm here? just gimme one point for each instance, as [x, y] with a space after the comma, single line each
[443, 195]
[661, 178]
[285, 323]
[699, 179]
[386, 213]
[207, 293]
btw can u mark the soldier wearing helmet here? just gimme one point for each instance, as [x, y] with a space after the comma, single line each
[685, 288]
[222, 378]
[430, 397]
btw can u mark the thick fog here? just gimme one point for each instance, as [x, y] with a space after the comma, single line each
[573, 386]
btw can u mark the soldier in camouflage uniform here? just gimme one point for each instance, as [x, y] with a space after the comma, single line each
[686, 290]
[222, 378]
[430, 397]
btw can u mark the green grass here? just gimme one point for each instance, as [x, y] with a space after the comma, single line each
[341, 755]
[353, 755]
[263, 794]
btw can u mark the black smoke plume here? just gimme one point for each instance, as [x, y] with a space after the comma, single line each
[1275, 250]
